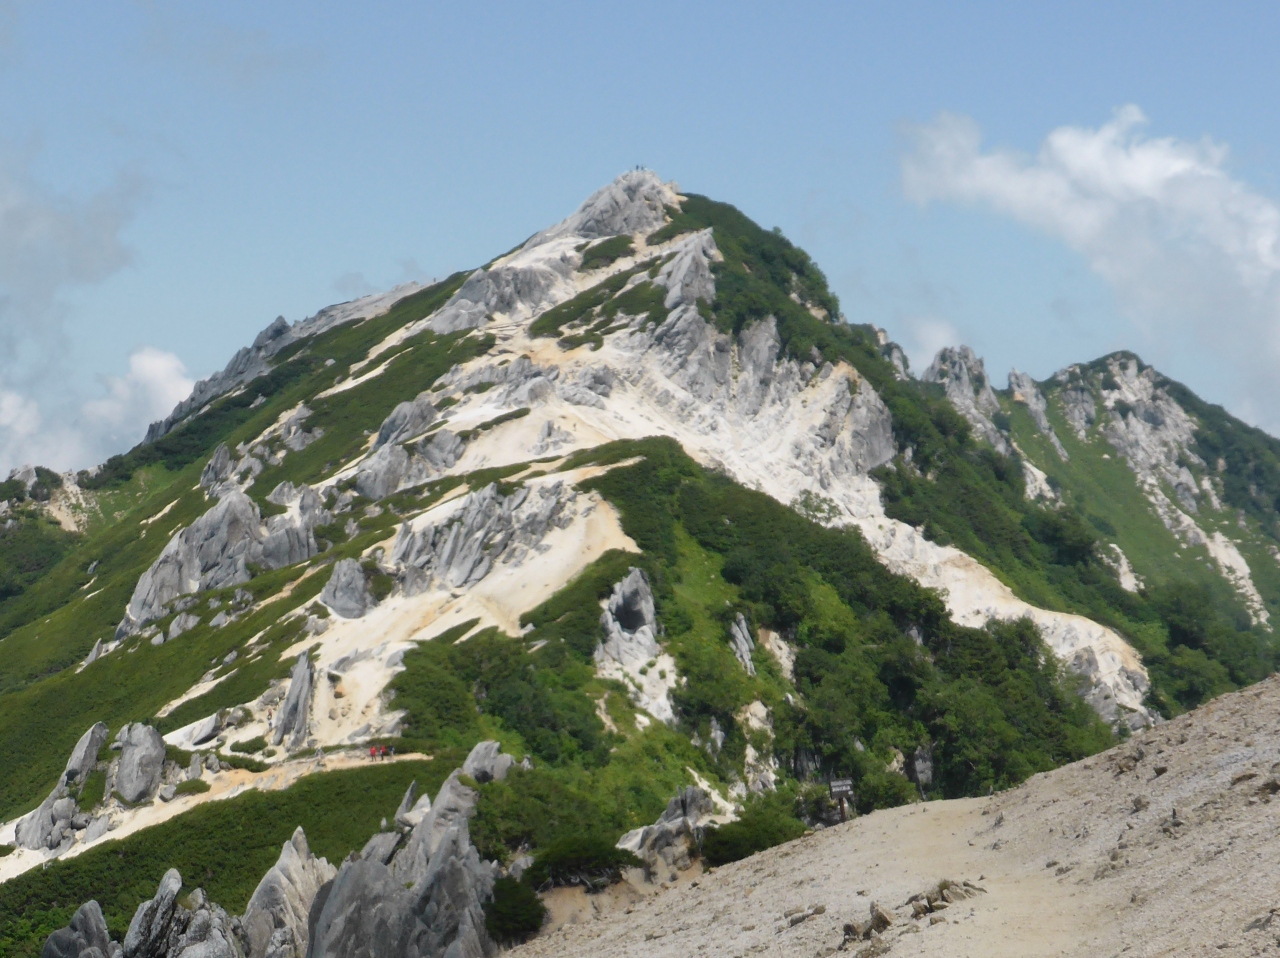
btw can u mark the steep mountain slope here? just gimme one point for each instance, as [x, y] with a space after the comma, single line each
[634, 503]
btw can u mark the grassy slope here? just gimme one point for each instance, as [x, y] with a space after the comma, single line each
[44, 705]
[1220, 650]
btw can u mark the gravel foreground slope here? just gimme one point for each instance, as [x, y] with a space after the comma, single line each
[1166, 845]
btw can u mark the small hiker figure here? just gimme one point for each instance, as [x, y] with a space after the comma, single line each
[373, 753]
[384, 752]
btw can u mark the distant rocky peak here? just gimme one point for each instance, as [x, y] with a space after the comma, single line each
[1024, 390]
[961, 373]
[635, 202]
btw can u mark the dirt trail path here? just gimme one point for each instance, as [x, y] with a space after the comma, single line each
[1166, 845]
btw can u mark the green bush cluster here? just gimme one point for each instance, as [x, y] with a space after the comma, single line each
[515, 914]
[588, 860]
[766, 820]
[605, 252]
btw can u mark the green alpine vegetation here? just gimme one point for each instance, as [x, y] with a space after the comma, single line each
[639, 505]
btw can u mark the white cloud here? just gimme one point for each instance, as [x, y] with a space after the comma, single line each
[925, 336]
[76, 438]
[155, 383]
[1191, 252]
[52, 241]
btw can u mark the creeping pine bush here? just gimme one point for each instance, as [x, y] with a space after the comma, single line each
[515, 914]
[588, 860]
[765, 822]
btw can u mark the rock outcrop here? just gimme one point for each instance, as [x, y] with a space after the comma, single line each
[137, 774]
[293, 719]
[347, 591]
[629, 651]
[59, 816]
[85, 937]
[635, 202]
[964, 378]
[254, 361]
[407, 420]
[430, 899]
[670, 843]
[217, 549]
[741, 642]
[1026, 391]
[392, 468]
[275, 921]
[163, 928]
[487, 527]
[629, 622]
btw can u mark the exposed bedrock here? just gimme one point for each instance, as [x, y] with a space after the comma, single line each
[275, 921]
[633, 203]
[347, 591]
[293, 719]
[629, 623]
[670, 842]
[164, 928]
[407, 420]
[217, 549]
[254, 361]
[142, 752]
[85, 937]
[393, 467]
[430, 899]
[460, 549]
[961, 373]
[1026, 391]
[57, 818]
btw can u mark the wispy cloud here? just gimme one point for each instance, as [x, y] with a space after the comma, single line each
[51, 242]
[1192, 252]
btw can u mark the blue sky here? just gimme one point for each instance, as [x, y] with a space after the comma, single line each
[1043, 182]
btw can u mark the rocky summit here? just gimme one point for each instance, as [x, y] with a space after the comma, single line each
[624, 596]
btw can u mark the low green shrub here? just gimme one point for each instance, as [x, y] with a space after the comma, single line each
[250, 746]
[764, 823]
[92, 791]
[606, 252]
[588, 860]
[515, 914]
[192, 786]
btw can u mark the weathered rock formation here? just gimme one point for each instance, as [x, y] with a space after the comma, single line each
[293, 719]
[275, 921]
[629, 622]
[163, 928]
[347, 592]
[670, 843]
[217, 549]
[137, 773]
[254, 361]
[407, 420]
[430, 899]
[964, 378]
[487, 527]
[1026, 391]
[59, 816]
[741, 642]
[85, 937]
[393, 468]
[629, 651]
